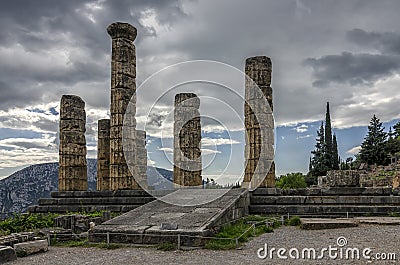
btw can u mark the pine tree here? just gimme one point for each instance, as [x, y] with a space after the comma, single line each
[335, 154]
[373, 147]
[319, 167]
[396, 128]
[392, 145]
[328, 139]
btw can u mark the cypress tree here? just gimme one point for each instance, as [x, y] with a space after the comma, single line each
[329, 160]
[335, 154]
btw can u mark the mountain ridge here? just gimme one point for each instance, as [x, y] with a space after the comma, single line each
[24, 187]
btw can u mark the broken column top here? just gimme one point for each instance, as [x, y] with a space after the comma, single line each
[72, 100]
[260, 60]
[122, 30]
[187, 100]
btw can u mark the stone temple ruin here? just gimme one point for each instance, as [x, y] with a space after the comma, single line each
[151, 221]
[113, 171]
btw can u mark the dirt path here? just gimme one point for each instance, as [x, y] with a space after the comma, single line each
[382, 239]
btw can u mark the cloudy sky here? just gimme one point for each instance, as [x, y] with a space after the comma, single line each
[344, 52]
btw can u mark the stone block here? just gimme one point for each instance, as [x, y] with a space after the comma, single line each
[7, 254]
[31, 247]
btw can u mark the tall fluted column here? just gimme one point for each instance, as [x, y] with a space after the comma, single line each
[123, 91]
[187, 140]
[259, 122]
[72, 174]
[103, 155]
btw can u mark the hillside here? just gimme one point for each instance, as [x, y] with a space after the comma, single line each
[23, 188]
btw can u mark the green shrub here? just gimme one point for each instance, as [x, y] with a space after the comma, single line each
[291, 181]
[166, 246]
[293, 221]
[27, 222]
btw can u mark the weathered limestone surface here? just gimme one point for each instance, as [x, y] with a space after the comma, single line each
[141, 158]
[259, 122]
[7, 254]
[187, 140]
[72, 175]
[31, 247]
[123, 91]
[343, 178]
[103, 155]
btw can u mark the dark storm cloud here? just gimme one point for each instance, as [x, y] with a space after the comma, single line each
[353, 69]
[35, 33]
[386, 42]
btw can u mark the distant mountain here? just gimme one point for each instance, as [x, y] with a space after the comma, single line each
[23, 188]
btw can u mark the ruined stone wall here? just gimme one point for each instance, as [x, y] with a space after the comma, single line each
[123, 91]
[72, 174]
[343, 178]
[187, 140]
[103, 155]
[259, 122]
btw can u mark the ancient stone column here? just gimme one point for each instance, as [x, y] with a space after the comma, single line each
[72, 174]
[259, 122]
[123, 91]
[103, 155]
[187, 140]
[141, 159]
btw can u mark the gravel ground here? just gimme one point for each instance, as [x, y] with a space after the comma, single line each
[381, 239]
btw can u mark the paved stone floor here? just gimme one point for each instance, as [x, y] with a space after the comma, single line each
[381, 239]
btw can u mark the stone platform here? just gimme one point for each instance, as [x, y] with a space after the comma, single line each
[90, 201]
[334, 223]
[331, 202]
[159, 221]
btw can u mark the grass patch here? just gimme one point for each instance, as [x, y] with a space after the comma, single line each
[167, 246]
[394, 214]
[226, 238]
[293, 221]
[72, 243]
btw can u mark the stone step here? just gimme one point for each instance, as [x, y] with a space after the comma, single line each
[95, 201]
[100, 194]
[81, 208]
[326, 200]
[350, 191]
[324, 223]
[320, 210]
